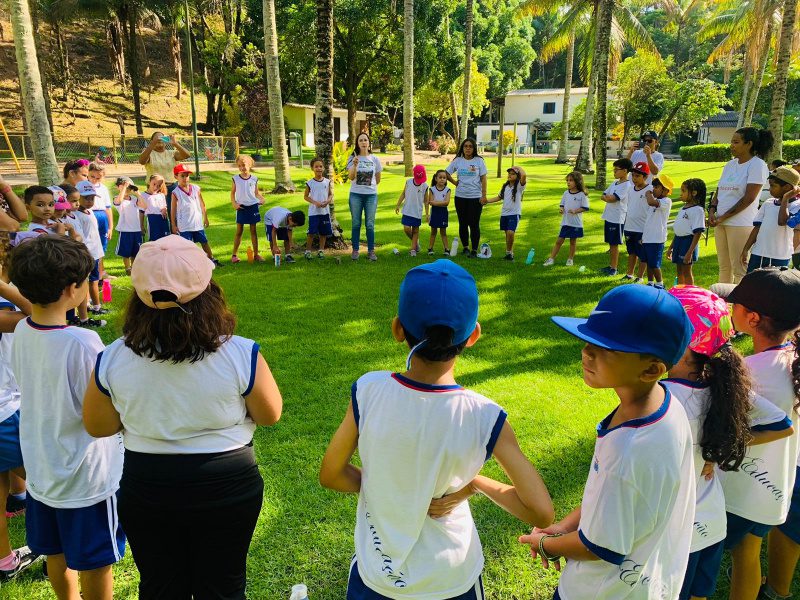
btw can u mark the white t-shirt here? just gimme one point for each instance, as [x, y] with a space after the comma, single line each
[570, 201]
[414, 199]
[189, 214]
[368, 167]
[614, 212]
[761, 489]
[637, 209]
[154, 203]
[128, 219]
[655, 227]
[86, 226]
[319, 191]
[66, 467]
[733, 184]
[773, 240]
[202, 408]
[637, 510]
[9, 391]
[246, 190]
[103, 199]
[440, 195]
[469, 176]
[512, 203]
[277, 217]
[689, 221]
[418, 442]
[658, 159]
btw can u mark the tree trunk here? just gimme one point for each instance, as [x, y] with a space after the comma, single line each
[586, 151]
[323, 126]
[133, 67]
[116, 50]
[350, 101]
[602, 54]
[408, 86]
[32, 95]
[778, 109]
[454, 115]
[42, 70]
[745, 92]
[63, 58]
[177, 64]
[464, 129]
[280, 154]
[759, 75]
[562, 147]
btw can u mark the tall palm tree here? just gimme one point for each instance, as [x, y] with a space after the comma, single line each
[562, 147]
[467, 71]
[408, 86]
[602, 55]
[32, 98]
[778, 109]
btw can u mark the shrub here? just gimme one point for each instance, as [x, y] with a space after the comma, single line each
[428, 145]
[446, 145]
[339, 162]
[394, 148]
[722, 153]
[791, 150]
[381, 136]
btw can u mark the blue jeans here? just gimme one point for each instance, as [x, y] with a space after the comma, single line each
[369, 204]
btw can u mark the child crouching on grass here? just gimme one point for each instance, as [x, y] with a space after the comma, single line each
[412, 199]
[279, 222]
[689, 225]
[423, 440]
[510, 214]
[574, 202]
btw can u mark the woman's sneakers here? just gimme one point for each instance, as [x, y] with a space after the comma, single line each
[509, 256]
[23, 558]
[549, 262]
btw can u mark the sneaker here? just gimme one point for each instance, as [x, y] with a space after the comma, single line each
[92, 323]
[289, 259]
[307, 254]
[98, 310]
[549, 262]
[14, 506]
[605, 270]
[216, 262]
[320, 254]
[465, 251]
[508, 256]
[372, 256]
[26, 559]
[473, 254]
[74, 321]
[235, 259]
[627, 278]
[608, 272]
[446, 253]
[569, 262]
[659, 286]
[258, 258]
[354, 255]
[127, 270]
[412, 252]
[430, 252]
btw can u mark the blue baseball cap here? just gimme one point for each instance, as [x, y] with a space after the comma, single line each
[439, 293]
[635, 318]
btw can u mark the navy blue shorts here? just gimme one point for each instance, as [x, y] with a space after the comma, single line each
[283, 234]
[438, 217]
[410, 221]
[95, 274]
[738, 527]
[357, 590]
[10, 453]
[88, 537]
[702, 571]
[653, 255]
[198, 237]
[569, 233]
[509, 222]
[633, 244]
[102, 227]
[791, 527]
[248, 215]
[128, 243]
[157, 227]
[680, 245]
[761, 262]
[320, 225]
[612, 233]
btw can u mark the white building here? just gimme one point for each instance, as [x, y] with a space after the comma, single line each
[301, 117]
[718, 129]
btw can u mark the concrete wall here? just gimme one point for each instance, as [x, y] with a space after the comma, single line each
[715, 135]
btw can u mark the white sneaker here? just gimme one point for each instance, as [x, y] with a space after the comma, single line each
[412, 252]
[569, 262]
[549, 262]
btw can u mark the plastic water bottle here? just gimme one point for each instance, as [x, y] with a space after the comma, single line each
[250, 255]
[106, 290]
[531, 256]
[299, 592]
[454, 247]
[395, 251]
[277, 260]
[582, 269]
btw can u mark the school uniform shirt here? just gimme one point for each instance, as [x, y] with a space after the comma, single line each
[689, 221]
[469, 176]
[761, 489]
[186, 422]
[570, 201]
[614, 212]
[66, 467]
[440, 195]
[128, 219]
[246, 189]
[733, 184]
[637, 208]
[417, 442]
[512, 203]
[41, 226]
[368, 167]
[318, 191]
[658, 159]
[102, 201]
[655, 226]
[154, 203]
[637, 510]
[773, 240]
[414, 199]
[189, 214]
[9, 391]
[277, 217]
[86, 226]
[710, 523]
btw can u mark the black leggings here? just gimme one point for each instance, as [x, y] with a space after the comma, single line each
[469, 221]
[189, 520]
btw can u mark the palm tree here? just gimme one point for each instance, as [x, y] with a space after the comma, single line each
[32, 98]
[778, 109]
[602, 55]
[562, 147]
[463, 132]
[408, 86]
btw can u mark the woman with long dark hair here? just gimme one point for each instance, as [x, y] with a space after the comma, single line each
[470, 193]
[364, 170]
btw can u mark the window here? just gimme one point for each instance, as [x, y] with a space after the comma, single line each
[495, 134]
[549, 108]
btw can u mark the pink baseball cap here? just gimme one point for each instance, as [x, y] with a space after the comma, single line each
[420, 175]
[60, 197]
[170, 264]
[710, 316]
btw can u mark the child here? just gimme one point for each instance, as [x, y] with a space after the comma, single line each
[654, 232]
[188, 215]
[154, 204]
[319, 195]
[129, 227]
[772, 236]
[766, 306]
[574, 202]
[689, 225]
[635, 218]
[420, 437]
[72, 478]
[511, 194]
[712, 383]
[86, 224]
[438, 200]
[616, 199]
[102, 208]
[246, 198]
[412, 199]
[630, 537]
[279, 222]
[773, 164]
[40, 202]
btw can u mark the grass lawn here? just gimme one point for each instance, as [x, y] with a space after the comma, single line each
[321, 325]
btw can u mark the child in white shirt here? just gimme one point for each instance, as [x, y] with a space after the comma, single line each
[510, 214]
[654, 234]
[689, 225]
[128, 226]
[188, 214]
[438, 200]
[635, 218]
[246, 199]
[616, 199]
[154, 204]
[319, 195]
[574, 202]
[86, 224]
[412, 200]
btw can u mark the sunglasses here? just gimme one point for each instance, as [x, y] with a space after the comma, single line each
[648, 141]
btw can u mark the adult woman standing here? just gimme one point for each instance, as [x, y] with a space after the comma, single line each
[736, 202]
[158, 160]
[76, 171]
[364, 170]
[470, 193]
[188, 455]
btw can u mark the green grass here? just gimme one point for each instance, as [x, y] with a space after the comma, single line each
[321, 325]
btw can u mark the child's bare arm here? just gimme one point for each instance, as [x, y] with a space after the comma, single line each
[100, 418]
[13, 295]
[523, 176]
[173, 212]
[336, 471]
[652, 200]
[203, 208]
[233, 196]
[264, 402]
[307, 195]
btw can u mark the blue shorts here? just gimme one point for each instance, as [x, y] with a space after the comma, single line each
[569, 233]
[10, 453]
[157, 227]
[357, 589]
[633, 244]
[653, 254]
[282, 235]
[738, 527]
[410, 221]
[760, 262]
[680, 245]
[95, 274]
[319, 225]
[128, 243]
[102, 227]
[612, 233]
[438, 217]
[791, 527]
[88, 537]
[702, 571]
[248, 215]
[198, 237]
[509, 222]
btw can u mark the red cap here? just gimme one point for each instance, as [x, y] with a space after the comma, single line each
[641, 167]
[180, 168]
[420, 174]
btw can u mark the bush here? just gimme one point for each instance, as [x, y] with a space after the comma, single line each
[339, 162]
[394, 148]
[446, 145]
[428, 145]
[381, 136]
[791, 150]
[722, 153]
